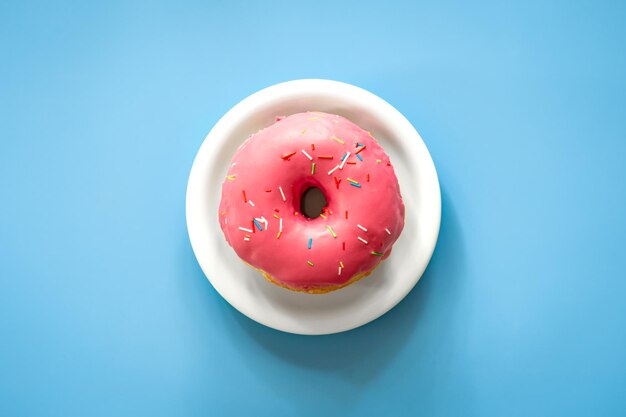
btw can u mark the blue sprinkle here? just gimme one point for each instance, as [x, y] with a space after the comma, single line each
[359, 156]
[359, 144]
[310, 242]
[356, 185]
[257, 225]
[345, 156]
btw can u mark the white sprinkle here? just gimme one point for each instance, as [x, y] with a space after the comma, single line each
[243, 229]
[306, 154]
[247, 239]
[265, 221]
[361, 227]
[234, 163]
[251, 203]
[280, 225]
[333, 170]
[388, 232]
[339, 271]
[281, 193]
[362, 240]
[344, 160]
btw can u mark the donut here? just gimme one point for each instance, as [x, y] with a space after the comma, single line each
[261, 214]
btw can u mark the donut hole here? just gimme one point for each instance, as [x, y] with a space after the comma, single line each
[312, 202]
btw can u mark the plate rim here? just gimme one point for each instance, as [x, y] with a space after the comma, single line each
[274, 93]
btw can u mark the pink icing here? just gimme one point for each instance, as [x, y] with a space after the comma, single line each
[262, 165]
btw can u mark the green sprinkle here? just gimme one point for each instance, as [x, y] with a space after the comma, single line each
[313, 168]
[377, 253]
[330, 229]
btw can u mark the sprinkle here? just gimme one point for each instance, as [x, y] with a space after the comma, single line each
[370, 133]
[281, 193]
[345, 156]
[378, 161]
[361, 227]
[310, 242]
[277, 211]
[322, 215]
[330, 229]
[333, 170]
[313, 168]
[276, 216]
[388, 232]
[246, 239]
[346, 214]
[344, 160]
[337, 182]
[351, 180]
[252, 226]
[377, 253]
[351, 163]
[231, 177]
[251, 203]
[336, 139]
[339, 273]
[344, 245]
[288, 155]
[256, 223]
[278, 235]
[310, 263]
[359, 144]
[280, 226]
[268, 190]
[312, 146]
[313, 118]
[368, 177]
[307, 155]
[266, 222]
[245, 200]
[360, 149]
[325, 157]
[362, 240]
[360, 157]
[341, 263]
[243, 229]
[355, 184]
[295, 213]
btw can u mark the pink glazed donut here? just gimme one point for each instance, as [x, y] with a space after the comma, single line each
[261, 216]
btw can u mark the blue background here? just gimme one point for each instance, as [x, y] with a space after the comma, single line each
[105, 312]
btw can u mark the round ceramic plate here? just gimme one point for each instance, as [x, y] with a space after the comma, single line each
[359, 303]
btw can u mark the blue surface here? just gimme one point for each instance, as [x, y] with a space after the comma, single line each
[105, 312]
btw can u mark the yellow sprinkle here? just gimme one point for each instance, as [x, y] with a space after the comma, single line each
[313, 118]
[310, 263]
[341, 263]
[276, 216]
[378, 161]
[330, 229]
[322, 216]
[231, 177]
[336, 139]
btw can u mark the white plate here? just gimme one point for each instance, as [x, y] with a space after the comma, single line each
[361, 302]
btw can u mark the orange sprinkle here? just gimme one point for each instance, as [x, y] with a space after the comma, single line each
[276, 216]
[346, 214]
[288, 155]
[312, 146]
[268, 190]
[336, 139]
[245, 200]
[360, 149]
[278, 235]
[324, 157]
[351, 163]
[295, 213]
